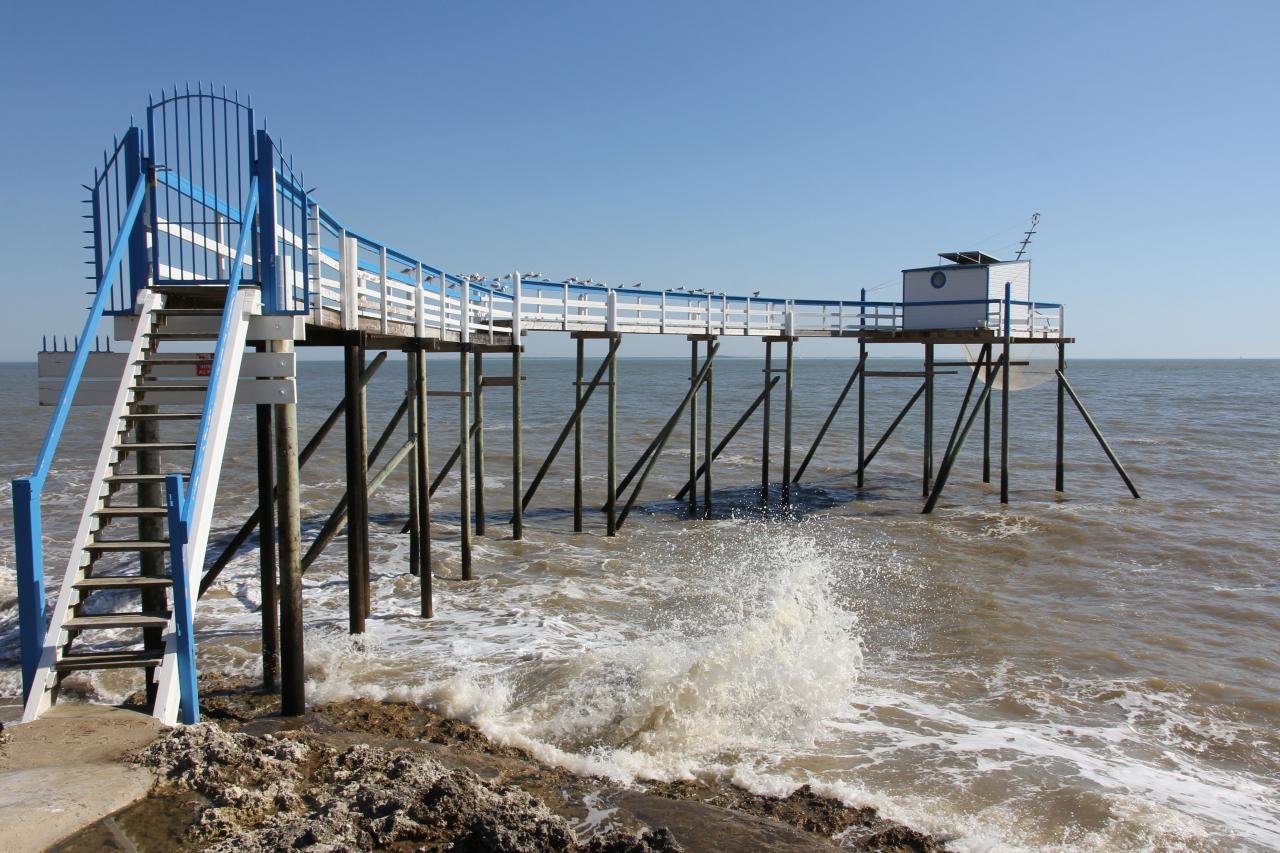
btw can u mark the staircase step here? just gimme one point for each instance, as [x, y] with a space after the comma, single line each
[139, 447]
[123, 582]
[141, 478]
[131, 511]
[163, 416]
[183, 336]
[145, 619]
[118, 545]
[189, 312]
[111, 660]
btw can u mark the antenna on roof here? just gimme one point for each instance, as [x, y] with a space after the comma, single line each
[1026, 241]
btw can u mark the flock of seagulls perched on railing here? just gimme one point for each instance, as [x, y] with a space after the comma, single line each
[496, 283]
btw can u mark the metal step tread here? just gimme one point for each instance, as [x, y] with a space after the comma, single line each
[183, 336]
[128, 545]
[149, 387]
[130, 511]
[111, 660]
[123, 582]
[162, 416]
[189, 312]
[143, 619]
[139, 446]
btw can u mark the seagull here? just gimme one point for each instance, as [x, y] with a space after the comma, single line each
[755, 293]
[681, 287]
[637, 284]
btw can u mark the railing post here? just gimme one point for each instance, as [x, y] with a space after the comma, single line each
[464, 316]
[183, 621]
[264, 259]
[662, 314]
[382, 288]
[139, 258]
[28, 542]
[517, 316]
[419, 304]
[349, 281]
[611, 311]
[708, 313]
[565, 321]
[444, 296]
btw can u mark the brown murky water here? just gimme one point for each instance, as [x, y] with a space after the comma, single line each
[1081, 672]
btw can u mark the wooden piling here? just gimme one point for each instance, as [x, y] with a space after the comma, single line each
[267, 563]
[1004, 426]
[693, 426]
[988, 378]
[517, 447]
[415, 555]
[611, 474]
[292, 659]
[357, 474]
[423, 464]
[151, 529]
[928, 420]
[786, 422]
[706, 441]
[577, 439]
[862, 411]
[1060, 467]
[464, 481]
[478, 392]
[764, 450]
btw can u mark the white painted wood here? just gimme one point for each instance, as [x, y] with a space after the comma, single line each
[248, 304]
[419, 304]
[349, 282]
[39, 699]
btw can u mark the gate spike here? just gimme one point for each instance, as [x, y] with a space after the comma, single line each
[44, 343]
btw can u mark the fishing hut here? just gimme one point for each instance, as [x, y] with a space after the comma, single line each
[211, 263]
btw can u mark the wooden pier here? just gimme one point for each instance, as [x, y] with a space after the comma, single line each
[168, 271]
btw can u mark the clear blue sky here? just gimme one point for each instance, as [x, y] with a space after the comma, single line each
[803, 149]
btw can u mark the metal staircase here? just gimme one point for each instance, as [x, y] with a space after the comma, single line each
[115, 607]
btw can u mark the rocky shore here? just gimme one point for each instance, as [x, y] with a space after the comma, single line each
[365, 775]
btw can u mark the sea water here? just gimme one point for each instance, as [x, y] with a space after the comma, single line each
[1067, 672]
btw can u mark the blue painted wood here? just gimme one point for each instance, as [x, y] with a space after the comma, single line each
[74, 372]
[133, 171]
[183, 619]
[30, 570]
[264, 258]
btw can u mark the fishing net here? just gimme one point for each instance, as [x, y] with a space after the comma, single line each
[1037, 371]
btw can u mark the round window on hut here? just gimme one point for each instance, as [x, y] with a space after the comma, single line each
[938, 280]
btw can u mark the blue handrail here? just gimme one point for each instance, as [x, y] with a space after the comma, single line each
[220, 351]
[28, 536]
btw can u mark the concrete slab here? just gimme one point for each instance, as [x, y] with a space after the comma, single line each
[67, 770]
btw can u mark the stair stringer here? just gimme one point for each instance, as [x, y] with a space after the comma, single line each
[248, 304]
[45, 680]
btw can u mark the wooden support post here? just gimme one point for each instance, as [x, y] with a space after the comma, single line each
[957, 444]
[577, 440]
[982, 364]
[693, 423]
[786, 422]
[517, 446]
[724, 442]
[611, 474]
[1004, 426]
[464, 482]
[862, 411]
[153, 529]
[357, 474]
[1059, 482]
[831, 416]
[242, 535]
[1097, 433]
[422, 462]
[765, 426]
[478, 395]
[665, 434]
[928, 420]
[707, 458]
[267, 571]
[988, 377]
[415, 553]
[894, 425]
[568, 426]
[292, 661]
